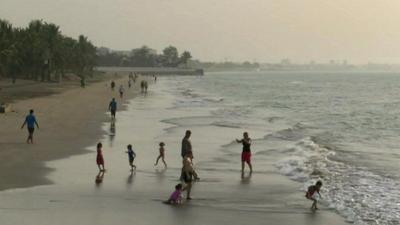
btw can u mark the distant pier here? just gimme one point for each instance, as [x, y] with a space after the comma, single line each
[154, 70]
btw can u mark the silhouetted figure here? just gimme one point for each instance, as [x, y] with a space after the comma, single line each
[131, 157]
[161, 155]
[188, 173]
[246, 152]
[99, 158]
[112, 107]
[112, 85]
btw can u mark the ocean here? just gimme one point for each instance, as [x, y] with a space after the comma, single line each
[342, 128]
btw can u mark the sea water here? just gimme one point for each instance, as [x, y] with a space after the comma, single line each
[342, 128]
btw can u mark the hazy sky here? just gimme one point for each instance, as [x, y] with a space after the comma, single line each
[262, 30]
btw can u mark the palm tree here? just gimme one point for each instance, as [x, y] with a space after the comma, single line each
[6, 33]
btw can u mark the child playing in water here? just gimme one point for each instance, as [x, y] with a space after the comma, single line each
[176, 196]
[312, 193]
[131, 155]
[99, 158]
[162, 155]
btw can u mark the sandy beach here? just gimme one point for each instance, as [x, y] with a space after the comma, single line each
[221, 197]
[69, 117]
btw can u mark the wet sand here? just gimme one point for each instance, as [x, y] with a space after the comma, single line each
[221, 197]
[69, 119]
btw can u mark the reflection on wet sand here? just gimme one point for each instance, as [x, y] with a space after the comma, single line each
[160, 174]
[246, 179]
[112, 133]
[130, 178]
[99, 178]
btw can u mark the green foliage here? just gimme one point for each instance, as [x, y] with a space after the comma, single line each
[170, 56]
[40, 51]
[143, 57]
[185, 57]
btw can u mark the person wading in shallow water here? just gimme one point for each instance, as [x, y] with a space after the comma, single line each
[313, 194]
[30, 122]
[188, 172]
[246, 153]
[187, 148]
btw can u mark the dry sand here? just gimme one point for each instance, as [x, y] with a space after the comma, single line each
[69, 121]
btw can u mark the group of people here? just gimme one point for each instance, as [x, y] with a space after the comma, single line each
[131, 79]
[188, 173]
[121, 89]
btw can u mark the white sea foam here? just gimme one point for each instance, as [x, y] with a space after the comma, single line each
[359, 195]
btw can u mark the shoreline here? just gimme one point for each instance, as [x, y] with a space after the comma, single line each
[220, 196]
[61, 134]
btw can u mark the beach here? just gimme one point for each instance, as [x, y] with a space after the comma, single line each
[69, 117]
[67, 191]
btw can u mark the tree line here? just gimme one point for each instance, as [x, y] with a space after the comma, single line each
[41, 52]
[143, 57]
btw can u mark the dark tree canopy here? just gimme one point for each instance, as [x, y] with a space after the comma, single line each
[41, 52]
[143, 57]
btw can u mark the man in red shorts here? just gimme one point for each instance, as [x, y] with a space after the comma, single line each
[246, 153]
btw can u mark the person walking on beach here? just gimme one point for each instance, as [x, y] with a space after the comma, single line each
[246, 153]
[129, 83]
[113, 108]
[186, 144]
[30, 122]
[161, 155]
[145, 87]
[99, 158]
[131, 156]
[142, 86]
[313, 194]
[186, 149]
[188, 173]
[121, 91]
[112, 85]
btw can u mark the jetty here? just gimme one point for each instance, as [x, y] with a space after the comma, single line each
[154, 70]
